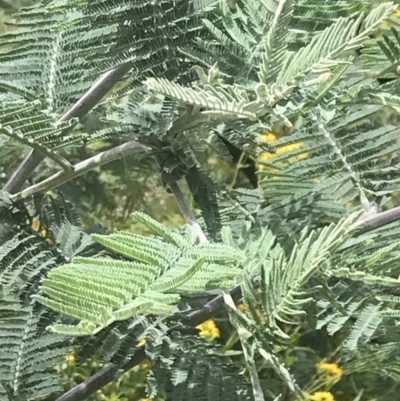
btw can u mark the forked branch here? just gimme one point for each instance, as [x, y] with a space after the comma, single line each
[78, 110]
[78, 169]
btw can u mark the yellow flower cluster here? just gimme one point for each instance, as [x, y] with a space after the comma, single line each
[141, 342]
[270, 137]
[208, 330]
[242, 308]
[70, 358]
[332, 371]
[145, 366]
[322, 396]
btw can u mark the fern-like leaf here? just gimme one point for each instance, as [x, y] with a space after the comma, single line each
[363, 329]
[28, 354]
[148, 283]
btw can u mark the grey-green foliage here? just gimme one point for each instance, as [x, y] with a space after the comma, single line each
[269, 56]
[364, 328]
[203, 373]
[331, 48]
[352, 161]
[349, 297]
[283, 291]
[27, 352]
[239, 37]
[162, 266]
[333, 106]
[26, 123]
[339, 157]
[100, 291]
[59, 49]
[380, 359]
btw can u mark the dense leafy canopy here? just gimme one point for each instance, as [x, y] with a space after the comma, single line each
[272, 124]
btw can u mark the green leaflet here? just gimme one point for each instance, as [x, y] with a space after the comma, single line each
[100, 291]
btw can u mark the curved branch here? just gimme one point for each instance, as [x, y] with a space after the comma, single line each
[101, 378]
[380, 219]
[187, 212]
[78, 169]
[79, 109]
[181, 124]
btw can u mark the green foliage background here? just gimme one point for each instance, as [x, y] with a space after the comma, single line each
[105, 200]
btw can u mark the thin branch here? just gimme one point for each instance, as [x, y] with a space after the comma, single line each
[222, 299]
[183, 123]
[212, 307]
[61, 161]
[23, 171]
[380, 219]
[78, 110]
[78, 169]
[101, 378]
[187, 211]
